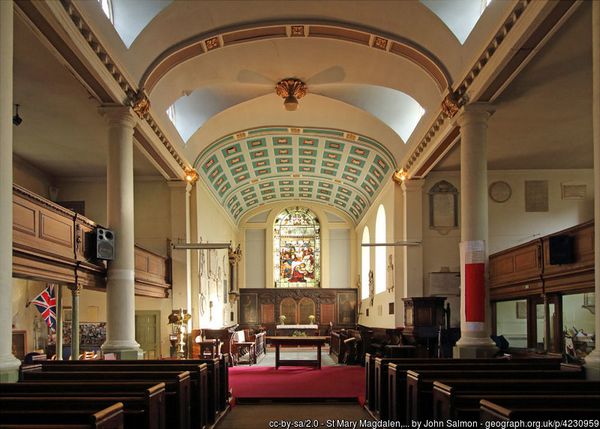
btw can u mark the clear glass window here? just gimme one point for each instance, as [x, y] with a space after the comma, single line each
[107, 9]
[365, 264]
[380, 259]
[578, 323]
[511, 322]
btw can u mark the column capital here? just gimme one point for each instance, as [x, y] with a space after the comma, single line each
[412, 185]
[475, 113]
[118, 114]
[75, 289]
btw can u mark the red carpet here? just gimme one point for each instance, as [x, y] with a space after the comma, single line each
[331, 382]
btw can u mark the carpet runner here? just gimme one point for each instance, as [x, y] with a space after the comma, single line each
[330, 382]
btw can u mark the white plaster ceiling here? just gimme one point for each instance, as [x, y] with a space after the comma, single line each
[541, 110]
[459, 15]
[394, 108]
[544, 118]
[62, 133]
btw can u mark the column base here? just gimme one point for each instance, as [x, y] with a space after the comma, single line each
[123, 350]
[592, 365]
[481, 350]
[9, 369]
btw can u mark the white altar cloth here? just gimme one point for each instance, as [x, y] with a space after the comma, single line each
[297, 326]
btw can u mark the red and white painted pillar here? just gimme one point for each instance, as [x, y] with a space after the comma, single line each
[475, 310]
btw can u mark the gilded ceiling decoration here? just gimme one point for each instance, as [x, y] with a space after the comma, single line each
[254, 167]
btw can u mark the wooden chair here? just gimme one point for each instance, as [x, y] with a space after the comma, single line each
[240, 348]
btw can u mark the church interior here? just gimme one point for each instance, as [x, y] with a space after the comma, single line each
[195, 194]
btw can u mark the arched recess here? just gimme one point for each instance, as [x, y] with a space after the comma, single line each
[206, 43]
[365, 264]
[380, 260]
[288, 309]
[333, 221]
[306, 308]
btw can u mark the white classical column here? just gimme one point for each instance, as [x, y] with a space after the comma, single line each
[399, 255]
[475, 309]
[181, 293]
[188, 255]
[592, 361]
[9, 365]
[412, 231]
[120, 288]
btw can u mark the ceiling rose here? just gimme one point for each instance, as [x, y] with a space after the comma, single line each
[291, 90]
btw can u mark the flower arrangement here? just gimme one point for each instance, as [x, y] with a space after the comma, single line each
[311, 319]
[282, 319]
[298, 334]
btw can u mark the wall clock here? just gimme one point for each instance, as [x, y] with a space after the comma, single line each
[500, 191]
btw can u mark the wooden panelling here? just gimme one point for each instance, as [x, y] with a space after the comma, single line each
[151, 274]
[24, 219]
[54, 244]
[526, 270]
[261, 307]
[327, 313]
[267, 313]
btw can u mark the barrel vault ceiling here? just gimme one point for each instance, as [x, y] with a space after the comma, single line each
[254, 167]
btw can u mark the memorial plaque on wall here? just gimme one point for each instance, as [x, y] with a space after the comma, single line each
[249, 308]
[536, 195]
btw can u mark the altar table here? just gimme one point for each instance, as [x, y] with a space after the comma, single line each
[297, 341]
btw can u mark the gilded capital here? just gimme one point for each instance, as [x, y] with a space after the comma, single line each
[140, 104]
[450, 105]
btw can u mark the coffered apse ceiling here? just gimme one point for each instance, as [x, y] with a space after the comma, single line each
[334, 167]
[376, 75]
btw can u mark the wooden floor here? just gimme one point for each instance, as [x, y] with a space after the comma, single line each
[259, 416]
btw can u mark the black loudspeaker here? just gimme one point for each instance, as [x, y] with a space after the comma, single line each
[104, 244]
[561, 250]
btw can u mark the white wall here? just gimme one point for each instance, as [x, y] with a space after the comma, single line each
[379, 315]
[255, 258]
[509, 223]
[338, 266]
[213, 225]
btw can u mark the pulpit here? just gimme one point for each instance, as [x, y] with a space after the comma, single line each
[423, 319]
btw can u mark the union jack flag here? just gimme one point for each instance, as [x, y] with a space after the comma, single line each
[45, 302]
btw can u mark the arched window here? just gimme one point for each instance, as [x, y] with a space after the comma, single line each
[380, 260]
[365, 264]
[297, 249]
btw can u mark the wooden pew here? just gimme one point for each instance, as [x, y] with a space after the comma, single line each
[110, 417]
[143, 403]
[177, 386]
[459, 399]
[565, 408]
[199, 394]
[371, 371]
[390, 377]
[419, 384]
[217, 378]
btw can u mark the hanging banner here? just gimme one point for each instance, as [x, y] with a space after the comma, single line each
[472, 255]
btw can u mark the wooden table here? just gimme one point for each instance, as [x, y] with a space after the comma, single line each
[278, 341]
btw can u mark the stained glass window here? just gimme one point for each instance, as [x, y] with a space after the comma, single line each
[297, 249]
